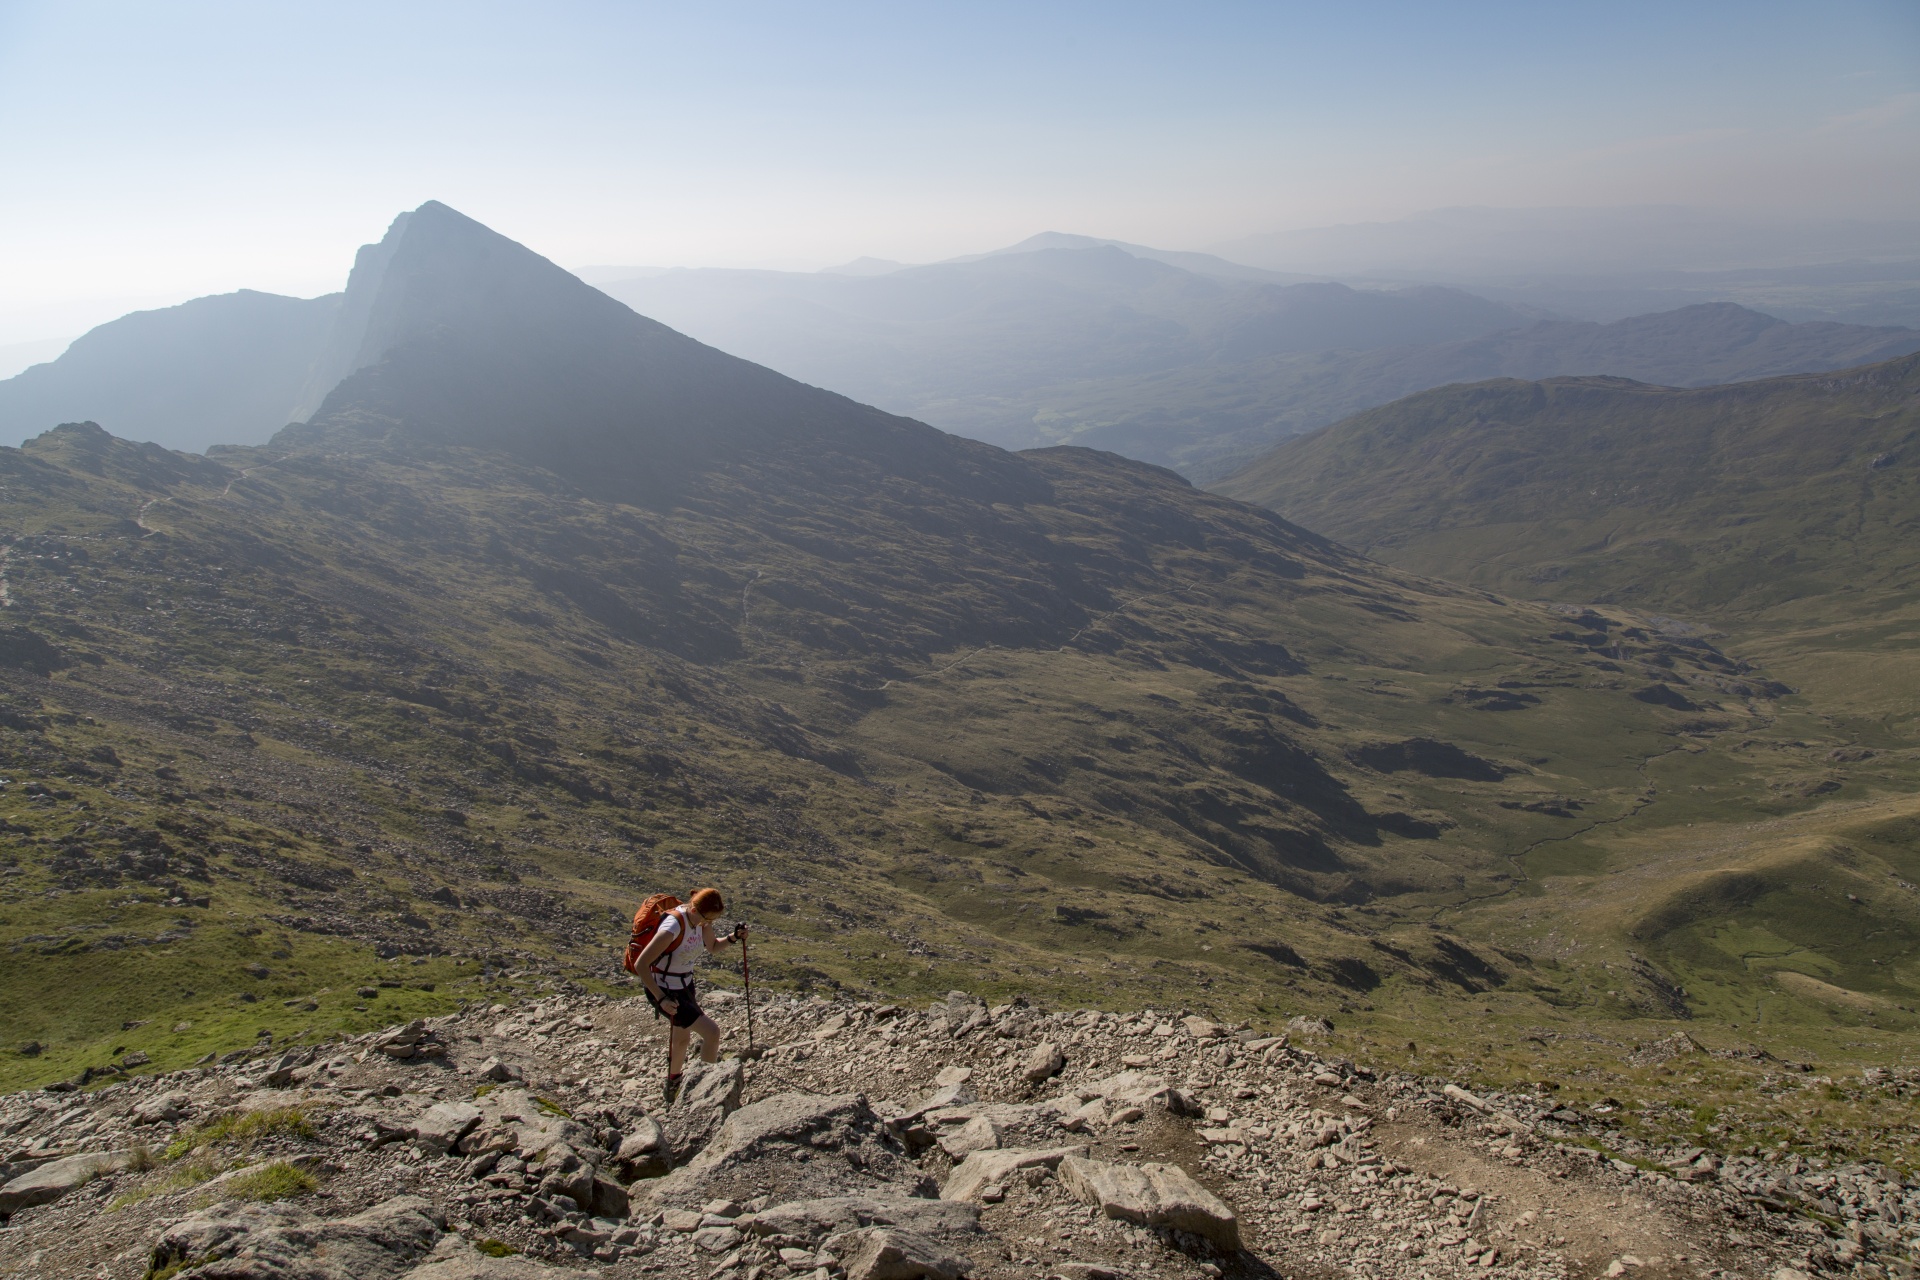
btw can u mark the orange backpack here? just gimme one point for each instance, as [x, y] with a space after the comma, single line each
[646, 922]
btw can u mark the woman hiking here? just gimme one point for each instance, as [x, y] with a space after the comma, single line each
[665, 967]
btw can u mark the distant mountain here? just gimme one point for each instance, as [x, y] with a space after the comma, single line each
[217, 370]
[451, 332]
[1209, 420]
[999, 346]
[1205, 264]
[1610, 263]
[1499, 243]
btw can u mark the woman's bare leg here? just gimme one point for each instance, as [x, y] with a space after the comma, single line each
[677, 1049]
[709, 1038]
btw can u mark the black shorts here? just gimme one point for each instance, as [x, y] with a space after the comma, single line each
[686, 1012]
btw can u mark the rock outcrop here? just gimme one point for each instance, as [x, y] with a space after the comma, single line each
[875, 1142]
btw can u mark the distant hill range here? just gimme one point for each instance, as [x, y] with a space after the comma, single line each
[226, 369]
[1784, 511]
[1608, 263]
[1181, 359]
[1208, 419]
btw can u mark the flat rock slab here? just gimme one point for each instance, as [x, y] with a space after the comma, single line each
[443, 1125]
[983, 1169]
[886, 1253]
[1152, 1195]
[481, 1267]
[978, 1134]
[952, 1095]
[815, 1220]
[278, 1242]
[50, 1181]
[792, 1145]
[707, 1097]
[536, 1128]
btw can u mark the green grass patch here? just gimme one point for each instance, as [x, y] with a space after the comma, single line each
[244, 1127]
[185, 1174]
[174, 1268]
[278, 1181]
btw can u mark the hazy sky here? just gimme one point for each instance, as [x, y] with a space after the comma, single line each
[154, 152]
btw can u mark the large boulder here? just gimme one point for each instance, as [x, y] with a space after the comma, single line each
[793, 1146]
[1043, 1063]
[1151, 1195]
[643, 1152]
[978, 1134]
[885, 1253]
[279, 1242]
[56, 1178]
[563, 1173]
[708, 1096]
[985, 1169]
[959, 1014]
[164, 1109]
[535, 1124]
[815, 1220]
[441, 1127]
[1138, 1089]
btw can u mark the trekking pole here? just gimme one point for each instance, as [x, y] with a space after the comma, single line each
[746, 978]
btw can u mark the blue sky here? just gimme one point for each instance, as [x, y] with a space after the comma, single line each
[154, 152]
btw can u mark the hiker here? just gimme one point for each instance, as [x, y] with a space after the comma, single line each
[665, 967]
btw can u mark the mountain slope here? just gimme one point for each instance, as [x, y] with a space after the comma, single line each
[549, 606]
[1213, 419]
[1782, 510]
[216, 370]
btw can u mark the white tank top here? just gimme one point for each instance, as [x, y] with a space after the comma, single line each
[677, 961]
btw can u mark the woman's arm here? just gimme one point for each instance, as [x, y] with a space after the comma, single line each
[713, 944]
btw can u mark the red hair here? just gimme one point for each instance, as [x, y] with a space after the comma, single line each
[707, 902]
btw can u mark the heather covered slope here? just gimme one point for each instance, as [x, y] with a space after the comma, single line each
[1212, 420]
[1777, 509]
[551, 606]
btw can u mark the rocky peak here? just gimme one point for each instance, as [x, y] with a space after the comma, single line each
[453, 334]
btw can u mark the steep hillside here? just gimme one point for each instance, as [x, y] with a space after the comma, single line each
[1737, 502]
[550, 606]
[216, 370]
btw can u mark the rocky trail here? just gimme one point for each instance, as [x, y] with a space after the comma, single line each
[880, 1142]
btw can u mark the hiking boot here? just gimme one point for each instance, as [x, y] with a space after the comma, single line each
[673, 1088]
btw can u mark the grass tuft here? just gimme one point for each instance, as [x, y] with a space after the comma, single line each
[278, 1181]
[190, 1173]
[244, 1127]
[171, 1269]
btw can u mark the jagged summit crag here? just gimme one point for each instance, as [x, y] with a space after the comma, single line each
[451, 333]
